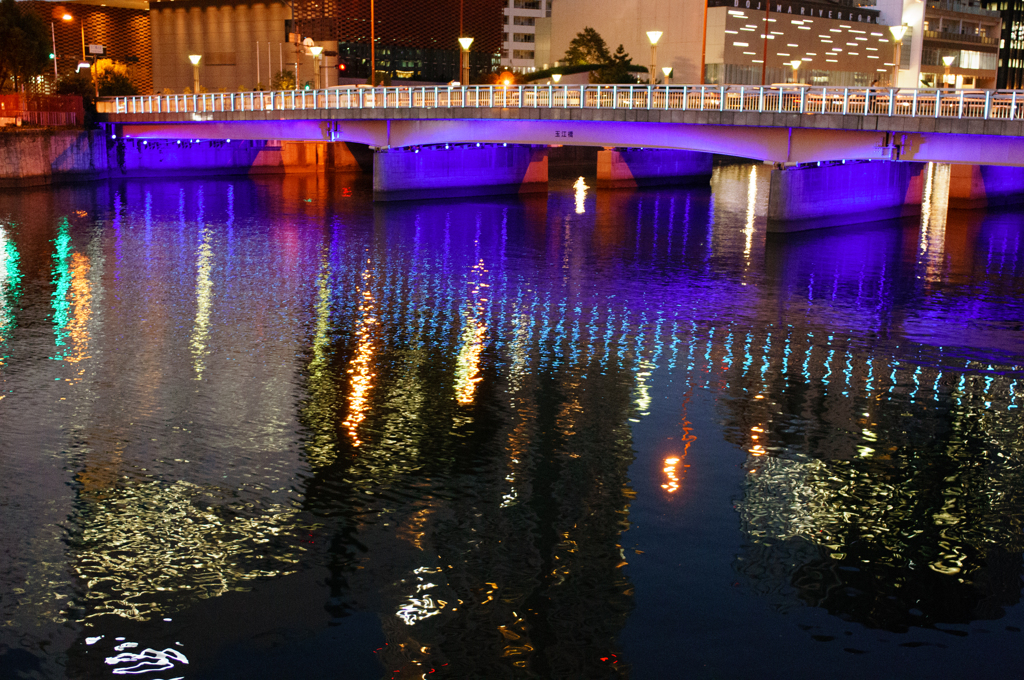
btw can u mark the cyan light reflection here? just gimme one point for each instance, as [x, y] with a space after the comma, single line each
[10, 289]
[61, 278]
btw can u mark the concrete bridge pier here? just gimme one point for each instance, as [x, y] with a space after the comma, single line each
[979, 186]
[454, 170]
[817, 196]
[630, 168]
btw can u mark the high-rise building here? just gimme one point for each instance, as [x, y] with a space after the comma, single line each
[519, 37]
[1010, 73]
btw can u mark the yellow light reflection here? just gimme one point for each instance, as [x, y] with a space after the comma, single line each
[674, 466]
[81, 309]
[934, 208]
[671, 470]
[360, 369]
[204, 295]
[756, 435]
[581, 195]
[321, 449]
[146, 547]
[748, 229]
[474, 335]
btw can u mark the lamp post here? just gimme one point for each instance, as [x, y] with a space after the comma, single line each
[316, 51]
[947, 61]
[796, 65]
[53, 37]
[194, 58]
[667, 70]
[654, 37]
[464, 60]
[897, 33]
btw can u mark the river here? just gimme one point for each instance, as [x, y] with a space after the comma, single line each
[263, 428]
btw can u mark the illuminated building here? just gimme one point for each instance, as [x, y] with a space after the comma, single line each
[968, 33]
[844, 43]
[520, 33]
[120, 27]
[414, 40]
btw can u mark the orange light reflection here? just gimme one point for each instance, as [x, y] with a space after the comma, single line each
[361, 368]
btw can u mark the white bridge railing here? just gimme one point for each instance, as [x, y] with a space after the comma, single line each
[862, 101]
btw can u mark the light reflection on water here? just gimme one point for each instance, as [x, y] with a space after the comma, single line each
[429, 411]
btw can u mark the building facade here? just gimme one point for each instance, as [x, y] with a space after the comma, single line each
[415, 40]
[833, 45]
[519, 36]
[836, 43]
[241, 44]
[105, 29]
[967, 33]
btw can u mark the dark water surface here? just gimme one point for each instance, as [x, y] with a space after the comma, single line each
[262, 428]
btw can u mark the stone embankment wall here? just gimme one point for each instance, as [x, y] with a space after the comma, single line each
[34, 157]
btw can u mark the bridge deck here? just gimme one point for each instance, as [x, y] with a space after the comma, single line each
[997, 112]
[786, 124]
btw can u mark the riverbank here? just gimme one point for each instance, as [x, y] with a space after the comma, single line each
[41, 156]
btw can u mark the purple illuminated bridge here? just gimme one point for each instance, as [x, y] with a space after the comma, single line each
[783, 124]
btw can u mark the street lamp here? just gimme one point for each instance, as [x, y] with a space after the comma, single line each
[316, 50]
[464, 59]
[796, 65]
[194, 58]
[897, 33]
[667, 70]
[948, 61]
[556, 77]
[654, 37]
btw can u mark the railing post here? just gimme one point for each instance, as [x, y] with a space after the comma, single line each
[938, 102]
[960, 114]
[760, 99]
[721, 98]
[1013, 106]
[988, 103]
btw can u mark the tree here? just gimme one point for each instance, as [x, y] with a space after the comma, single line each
[588, 47]
[81, 84]
[283, 80]
[616, 71]
[113, 79]
[26, 46]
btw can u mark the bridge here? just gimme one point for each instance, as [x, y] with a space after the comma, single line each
[789, 125]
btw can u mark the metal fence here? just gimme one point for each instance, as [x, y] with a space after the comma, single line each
[850, 101]
[42, 109]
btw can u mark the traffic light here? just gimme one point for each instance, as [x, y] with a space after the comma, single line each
[52, 55]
